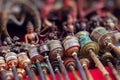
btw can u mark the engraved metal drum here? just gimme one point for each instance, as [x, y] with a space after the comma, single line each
[86, 44]
[71, 45]
[97, 32]
[56, 48]
[10, 56]
[44, 49]
[34, 55]
[23, 59]
[102, 36]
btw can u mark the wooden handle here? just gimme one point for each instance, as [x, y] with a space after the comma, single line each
[45, 74]
[116, 49]
[115, 73]
[88, 74]
[99, 65]
[74, 73]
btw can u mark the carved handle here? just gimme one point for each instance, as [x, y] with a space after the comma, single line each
[115, 73]
[99, 65]
[74, 73]
[116, 49]
[89, 76]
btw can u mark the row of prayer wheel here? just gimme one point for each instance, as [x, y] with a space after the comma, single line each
[55, 56]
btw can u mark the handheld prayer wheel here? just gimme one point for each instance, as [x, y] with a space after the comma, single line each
[72, 46]
[56, 49]
[3, 67]
[44, 67]
[21, 73]
[12, 61]
[107, 57]
[105, 39]
[90, 49]
[56, 67]
[86, 64]
[56, 52]
[70, 65]
[36, 58]
[24, 62]
[44, 50]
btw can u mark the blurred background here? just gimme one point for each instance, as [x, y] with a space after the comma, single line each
[57, 11]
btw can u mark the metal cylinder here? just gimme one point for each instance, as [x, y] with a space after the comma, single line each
[71, 45]
[44, 49]
[23, 59]
[103, 37]
[86, 43]
[56, 48]
[34, 55]
[11, 58]
[97, 32]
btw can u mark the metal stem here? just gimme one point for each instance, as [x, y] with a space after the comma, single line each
[50, 68]
[58, 72]
[40, 70]
[79, 67]
[62, 67]
[27, 69]
[14, 70]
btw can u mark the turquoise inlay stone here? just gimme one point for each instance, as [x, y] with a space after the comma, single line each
[44, 64]
[84, 39]
[33, 65]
